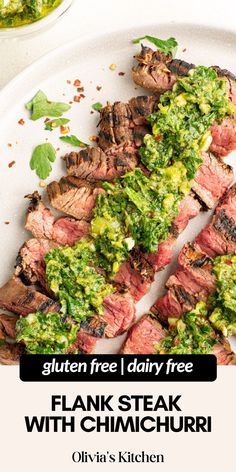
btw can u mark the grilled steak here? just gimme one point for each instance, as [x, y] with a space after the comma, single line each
[193, 280]
[22, 300]
[8, 326]
[119, 314]
[219, 237]
[147, 332]
[135, 275]
[93, 164]
[212, 180]
[10, 353]
[143, 336]
[157, 72]
[125, 123]
[30, 265]
[42, 224]
[74, 196]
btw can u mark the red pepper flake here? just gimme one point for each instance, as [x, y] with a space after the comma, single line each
[77, 98]
[121, 73]
[11, 164]
[46, 120]
[158, 138]
[71, 103]
[9, 145]
[6, 222]
[82, 95]
[80, 89]
[21, 121]
[68, 81]
[184, 50]
[77, 83]
[98, 88]
[91, 112]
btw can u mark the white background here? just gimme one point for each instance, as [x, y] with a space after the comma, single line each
[99, 16]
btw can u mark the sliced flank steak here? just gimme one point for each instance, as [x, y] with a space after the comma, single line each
[30, 265]
[9, 351]
[125, 123]
[22, 300]
[144, 336]
[158, 73]
[193, 281]
[74, 196]
[43, 225]
[93, 164]
[118, 316]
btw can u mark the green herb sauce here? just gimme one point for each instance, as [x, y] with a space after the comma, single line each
[196, 331]
[136, 210]
[223, 316]
[46, 333]
[191, 334]
[181, 125]
[18, 12]
[75, 282]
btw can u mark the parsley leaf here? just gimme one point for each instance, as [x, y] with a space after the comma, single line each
[97, 106]
[42, 155]
[74, 141]
[51, 124]
[168, 46]
[40, 106]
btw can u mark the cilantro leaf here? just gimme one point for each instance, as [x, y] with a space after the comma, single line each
[74, 141]
[42, 155]
[51, 124]
[97, 106]
[168, 46]
[40, 106]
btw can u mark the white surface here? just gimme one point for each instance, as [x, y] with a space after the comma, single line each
[97, 17]
[80, 59]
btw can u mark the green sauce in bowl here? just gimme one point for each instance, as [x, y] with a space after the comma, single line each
[16, 13]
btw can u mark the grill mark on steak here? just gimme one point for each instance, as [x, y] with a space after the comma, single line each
[226, 225]
[194, 272]
[94, 326]
[22, 300]
[93, 164]
[74, 196]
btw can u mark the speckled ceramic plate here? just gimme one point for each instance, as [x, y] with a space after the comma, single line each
[87, 59]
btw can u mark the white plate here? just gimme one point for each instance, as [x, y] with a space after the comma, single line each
[87, 60]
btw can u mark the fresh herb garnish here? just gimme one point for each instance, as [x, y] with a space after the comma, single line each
[42, 155]
[74, 141]
[168, 46]
[97, 106]
[50, 125]
[40, 106]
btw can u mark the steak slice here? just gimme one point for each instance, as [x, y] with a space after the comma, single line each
[223, 137]
[212, 180]
[30, 265]
[219, 237]
[10, 353]
[8, 326]
[125, 123]
[189, 208]
[193, 281]
[135, 275]
[158, 72]
[143, 336]
[74, 196]
[119, 314]
[93, 164]
[43, 225]
[147, 332]
[22, 300]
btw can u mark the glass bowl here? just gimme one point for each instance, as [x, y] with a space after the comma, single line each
[32, 28]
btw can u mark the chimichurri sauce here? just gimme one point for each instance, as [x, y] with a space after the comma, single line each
[19, 12]
[197, 331]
